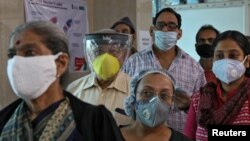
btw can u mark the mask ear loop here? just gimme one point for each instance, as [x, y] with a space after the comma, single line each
[57, 55]
[245, 59]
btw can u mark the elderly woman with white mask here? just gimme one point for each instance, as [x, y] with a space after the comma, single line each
[39, 57]
[149, 104]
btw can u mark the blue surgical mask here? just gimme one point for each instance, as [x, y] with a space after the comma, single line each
[165, 40]
[228, 70]
[152, 112]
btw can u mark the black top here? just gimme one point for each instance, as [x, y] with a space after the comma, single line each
[175, 136]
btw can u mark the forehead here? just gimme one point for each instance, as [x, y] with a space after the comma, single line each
[121, 26]
[208, 33]
[28, 38]
[167, 17]
[227, 45]
[156, 80]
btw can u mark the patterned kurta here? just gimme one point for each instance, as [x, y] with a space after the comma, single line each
[201, 134]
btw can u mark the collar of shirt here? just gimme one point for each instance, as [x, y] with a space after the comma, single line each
[118, 83]
[180, 55]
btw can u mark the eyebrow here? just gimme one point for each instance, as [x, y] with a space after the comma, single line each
[210, 38]
[232, 50]
[171, 22]
[26, 46]
[150, 87]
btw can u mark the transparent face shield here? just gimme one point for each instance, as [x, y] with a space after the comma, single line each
[116, 44]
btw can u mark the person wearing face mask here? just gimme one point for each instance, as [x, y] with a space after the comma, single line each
[165, 54]
[39, 57]
[124, 25]
[227, 102]
[105, 50]
[204, 39]
[152, 96]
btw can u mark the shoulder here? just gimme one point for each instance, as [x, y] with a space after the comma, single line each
[124, 77]
[140, 54]
[187, 59]
[7, 112]
[80, 82]
[81, 108]
[10, 107]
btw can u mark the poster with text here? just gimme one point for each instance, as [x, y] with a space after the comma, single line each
[71, 16]
[144, 40]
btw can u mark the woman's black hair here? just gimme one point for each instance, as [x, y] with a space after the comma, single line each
[239, 38]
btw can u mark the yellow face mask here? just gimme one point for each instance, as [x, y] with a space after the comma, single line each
[106, 66]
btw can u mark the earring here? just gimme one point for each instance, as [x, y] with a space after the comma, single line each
[58, 75]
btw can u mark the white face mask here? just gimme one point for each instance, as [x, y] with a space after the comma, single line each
[30, 77]
[228, 70]
[165, 40]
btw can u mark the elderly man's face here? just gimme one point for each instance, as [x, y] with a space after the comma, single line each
[155, 85]
[115, 50]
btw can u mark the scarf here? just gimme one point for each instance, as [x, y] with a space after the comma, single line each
[58, 125]
[211, 112]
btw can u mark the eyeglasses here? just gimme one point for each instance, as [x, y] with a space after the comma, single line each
[170, 26]
[149, 94]
[115, 50]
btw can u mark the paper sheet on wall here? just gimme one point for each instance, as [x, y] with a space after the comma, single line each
[144, 40]
[71, 16]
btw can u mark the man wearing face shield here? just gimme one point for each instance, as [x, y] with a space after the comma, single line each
[204, 39]
[105, 51]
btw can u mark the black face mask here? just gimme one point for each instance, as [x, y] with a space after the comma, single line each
[204, 50]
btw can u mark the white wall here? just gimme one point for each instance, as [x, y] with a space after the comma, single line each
[223, 16]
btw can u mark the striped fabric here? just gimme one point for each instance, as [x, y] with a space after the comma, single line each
[58, 124]
[243, 118]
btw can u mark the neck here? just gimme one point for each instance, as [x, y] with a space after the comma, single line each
[105, 83]
[52, 95]
[165, 57]
[231, 86]
[206, 63]
[143, 131]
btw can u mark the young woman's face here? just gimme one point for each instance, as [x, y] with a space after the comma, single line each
[228, 49]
